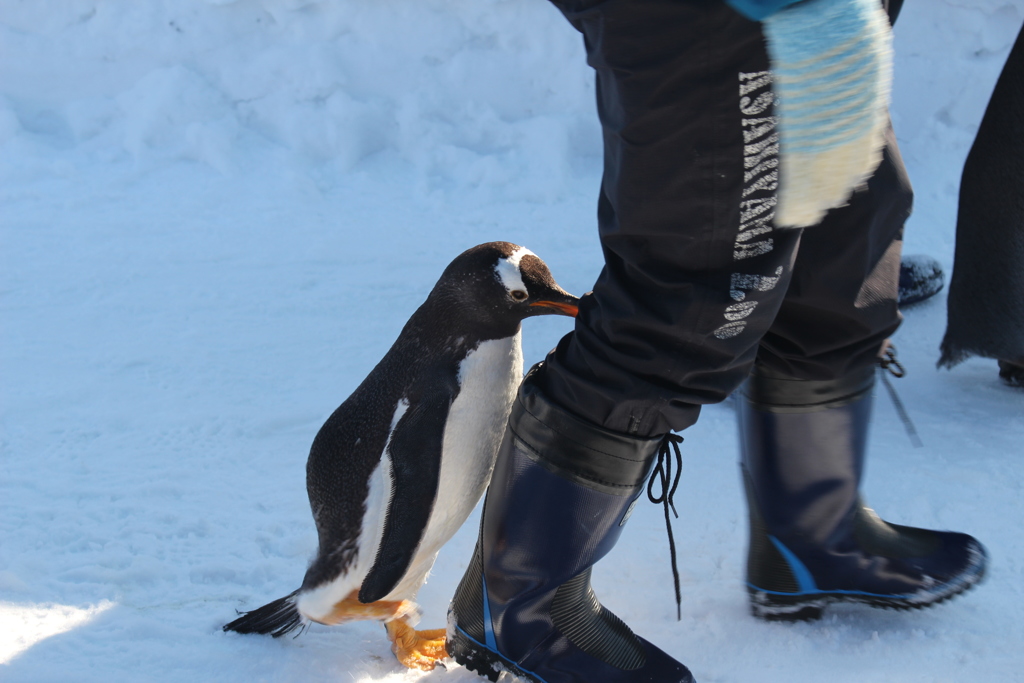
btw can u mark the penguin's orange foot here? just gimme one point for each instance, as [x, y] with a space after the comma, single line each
[416, 649]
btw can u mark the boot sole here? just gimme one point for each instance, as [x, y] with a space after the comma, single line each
[481, 659]
[809, 607]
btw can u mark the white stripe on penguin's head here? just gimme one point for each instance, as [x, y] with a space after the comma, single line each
[507, 269]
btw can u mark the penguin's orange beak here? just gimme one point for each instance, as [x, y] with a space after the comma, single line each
[562, 308]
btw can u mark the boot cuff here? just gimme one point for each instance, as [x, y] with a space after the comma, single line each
[575, 449]
[776, 393]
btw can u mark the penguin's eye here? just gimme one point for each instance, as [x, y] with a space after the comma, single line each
[518, 294]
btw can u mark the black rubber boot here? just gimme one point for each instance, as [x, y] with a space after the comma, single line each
[561, 492]
[812, 539]
[921, 278]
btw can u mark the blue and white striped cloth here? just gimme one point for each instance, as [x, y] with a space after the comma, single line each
[832, 65]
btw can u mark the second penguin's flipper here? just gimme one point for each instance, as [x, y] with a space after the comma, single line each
[415, 452]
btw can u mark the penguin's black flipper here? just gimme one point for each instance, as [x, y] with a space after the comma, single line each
[415, 451]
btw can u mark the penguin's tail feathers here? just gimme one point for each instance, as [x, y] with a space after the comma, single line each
[276, 618]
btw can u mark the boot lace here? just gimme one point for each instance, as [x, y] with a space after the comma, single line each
[662, 474]
[888, 365]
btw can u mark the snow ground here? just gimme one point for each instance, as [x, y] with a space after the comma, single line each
[216, 216]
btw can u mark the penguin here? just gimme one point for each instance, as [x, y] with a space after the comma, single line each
[399, 466]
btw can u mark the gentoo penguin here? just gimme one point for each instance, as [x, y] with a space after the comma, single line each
[397, 468]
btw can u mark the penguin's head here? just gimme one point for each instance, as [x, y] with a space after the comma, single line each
[503, 283]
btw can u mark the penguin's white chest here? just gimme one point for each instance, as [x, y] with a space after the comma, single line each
[489, 377]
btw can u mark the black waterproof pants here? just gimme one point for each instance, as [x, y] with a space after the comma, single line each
[697, 280]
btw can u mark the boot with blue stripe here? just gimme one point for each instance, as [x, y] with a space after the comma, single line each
[813, 541]
[561, 492]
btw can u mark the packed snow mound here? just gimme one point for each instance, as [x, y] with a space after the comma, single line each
[477, 91]
[473, 93]
[480, 92]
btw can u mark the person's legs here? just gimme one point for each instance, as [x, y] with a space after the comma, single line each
[694, 270]
[693, 277]
[841, 304]
[804, 416]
